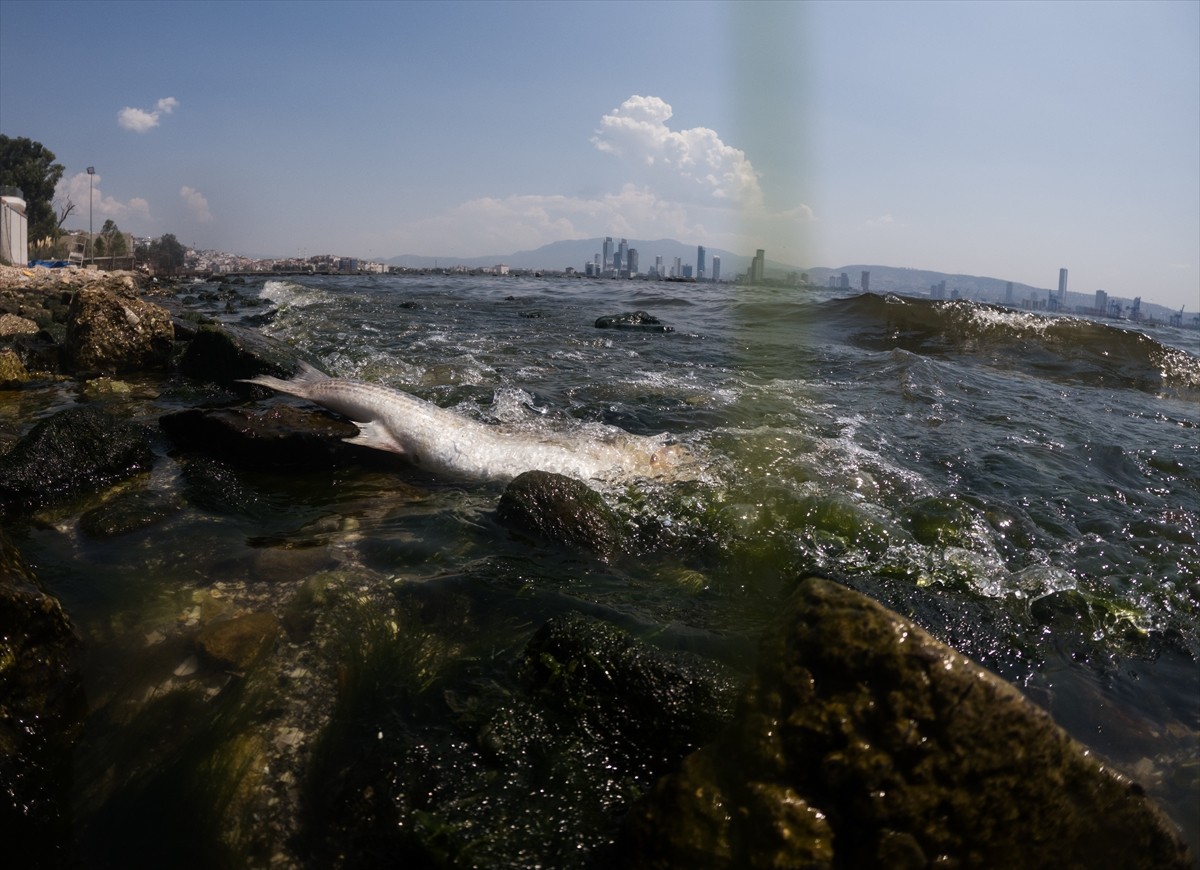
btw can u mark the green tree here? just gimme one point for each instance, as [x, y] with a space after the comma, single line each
[112, 241]
[28, 165]
[165, 255]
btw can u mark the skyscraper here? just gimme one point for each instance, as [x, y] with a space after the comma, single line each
[608, 253]
[866, 282]
[622, 264]
[1062, 286]
[700, 262]
[632, 263]
[758, 266]
[716, 275]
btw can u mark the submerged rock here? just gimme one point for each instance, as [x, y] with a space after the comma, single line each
[862, 741]
[12, 370]
[560, 509]
[107, 332]
[638, 321]
[75, 451]
[646, 703]
[41, 708]
[238, 643]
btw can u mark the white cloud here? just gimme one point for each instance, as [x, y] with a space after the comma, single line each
[142, 121]
[690, 165]
[885, 221]
[79, 191]
[196, 203]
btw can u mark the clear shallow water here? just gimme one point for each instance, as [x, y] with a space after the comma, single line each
[1027, 488]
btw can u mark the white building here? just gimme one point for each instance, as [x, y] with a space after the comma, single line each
[14, 227]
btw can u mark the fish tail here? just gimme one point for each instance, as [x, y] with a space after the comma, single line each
[300, 385]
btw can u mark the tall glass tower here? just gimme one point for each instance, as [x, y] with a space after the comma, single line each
[700, 262]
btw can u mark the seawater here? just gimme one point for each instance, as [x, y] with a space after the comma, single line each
[1025, 486]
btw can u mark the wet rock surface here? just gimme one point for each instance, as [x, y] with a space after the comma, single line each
[562, 510]
[41, 708]
[862, 741]
[635, 321]
[75, 451]
[227, 353]
[238, 643]
[281, 436]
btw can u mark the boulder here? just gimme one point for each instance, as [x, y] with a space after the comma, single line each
[41, 709]
[560, 509]
[109, 333]
[281, 436]
[648, 705]
[12, 370]
[862, 741]
[225, 354]
[12, 324]
[637, 321]
[79, 450]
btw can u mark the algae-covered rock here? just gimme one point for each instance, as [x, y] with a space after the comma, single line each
[12, 370]
[642, 700]
[899, 751]
[237, 643]
[560, 509]
[111, 332]
[74, 451]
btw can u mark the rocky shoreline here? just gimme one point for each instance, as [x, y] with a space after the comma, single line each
[859, 740]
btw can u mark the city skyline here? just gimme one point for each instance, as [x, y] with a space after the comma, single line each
[824, 133]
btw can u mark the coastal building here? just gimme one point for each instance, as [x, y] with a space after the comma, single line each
[716, 270]
[866, 282]
[1101, 303]
[633, 262]
[1008, 294]
[758, 266]
[1062, 287]
[14, 227]
[608, 253]
[700, 262]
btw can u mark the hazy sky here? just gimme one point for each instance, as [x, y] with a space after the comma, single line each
[1005, 139]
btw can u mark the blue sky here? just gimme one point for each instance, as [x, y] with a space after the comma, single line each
[1005, 139]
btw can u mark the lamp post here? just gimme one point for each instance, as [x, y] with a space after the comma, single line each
[91, 170]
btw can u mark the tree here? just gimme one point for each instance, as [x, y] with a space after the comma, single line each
[165, 255]
[28, 165]
[112, 240]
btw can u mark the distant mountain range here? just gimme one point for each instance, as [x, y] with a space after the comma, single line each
[574, 253]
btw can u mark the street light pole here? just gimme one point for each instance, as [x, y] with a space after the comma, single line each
[91, 170]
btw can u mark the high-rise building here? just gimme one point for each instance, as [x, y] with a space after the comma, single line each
[1062, 286]
[658, 269]
[716, 275]
[700, 262]
[632, 265]
[758, 266]
[623, 257]
[866, 282]
[608, 253]
[1008, 293]
[1101, 303]
[677, 272]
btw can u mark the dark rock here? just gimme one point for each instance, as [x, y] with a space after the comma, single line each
[228, 353]
[236, 644]
[41, 709]
[649, 705]
[862, 741]
[127, 513]
[282, 436]
[215, 486]
[638, 321]
[75, 451]
[560, 509]
[107, 332]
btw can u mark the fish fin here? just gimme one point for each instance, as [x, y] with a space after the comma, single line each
[296, 386]
[376, 435]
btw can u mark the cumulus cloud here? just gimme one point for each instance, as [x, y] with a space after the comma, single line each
[692, 164]
[76, 188]
[196, 203]
[141, 120]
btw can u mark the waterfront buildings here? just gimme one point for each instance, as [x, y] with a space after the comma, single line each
[700, 263]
